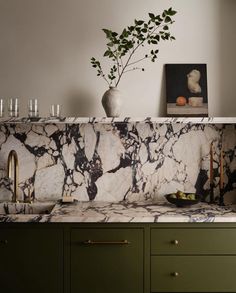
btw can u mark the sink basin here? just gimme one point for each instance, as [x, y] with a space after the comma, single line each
[10, 208]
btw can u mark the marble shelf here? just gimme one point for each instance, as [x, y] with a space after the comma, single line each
[105, 120]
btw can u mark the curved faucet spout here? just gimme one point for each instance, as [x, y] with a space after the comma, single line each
[13, 161]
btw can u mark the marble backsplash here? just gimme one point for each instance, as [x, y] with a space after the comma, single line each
[117, 160]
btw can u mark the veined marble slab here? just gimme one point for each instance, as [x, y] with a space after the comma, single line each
[116, 161]
[129, 212]
[79, 120]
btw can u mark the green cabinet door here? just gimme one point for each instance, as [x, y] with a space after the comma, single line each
[193, 273]
[31, 260]
[105, 260]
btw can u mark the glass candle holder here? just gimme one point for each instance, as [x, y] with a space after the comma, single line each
[33, 110]
[55, 111]
[1, 108]
[13, 107]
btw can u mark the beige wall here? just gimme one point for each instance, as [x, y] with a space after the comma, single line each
[46, 46]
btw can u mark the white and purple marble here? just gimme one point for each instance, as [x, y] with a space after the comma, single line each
[149, 211]
[112, 160]
[107, 120]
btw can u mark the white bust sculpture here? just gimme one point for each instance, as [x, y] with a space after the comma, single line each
[193, 81]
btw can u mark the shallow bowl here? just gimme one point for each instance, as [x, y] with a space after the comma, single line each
[183, 202]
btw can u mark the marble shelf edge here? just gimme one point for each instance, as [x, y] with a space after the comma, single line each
[105, 120]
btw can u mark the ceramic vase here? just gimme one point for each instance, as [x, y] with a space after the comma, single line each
[112, 102]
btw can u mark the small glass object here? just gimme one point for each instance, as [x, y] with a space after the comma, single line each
[13, 107]
[33, 108]
[1, 108]
[55, 111]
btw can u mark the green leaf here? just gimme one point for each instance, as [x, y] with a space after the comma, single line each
[130, 45]
[151, 15]
[125, 33]
[165, 28]
[167, 19]
[111, 44]
[131, 28]
[171, 12]
[107, 53]
[172, 38]
[107, 32]
[114, 34]
[140, 22]
[154, 42]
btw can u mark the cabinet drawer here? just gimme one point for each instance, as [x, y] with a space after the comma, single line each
[194, 274]
[193, 241]
[105, 260]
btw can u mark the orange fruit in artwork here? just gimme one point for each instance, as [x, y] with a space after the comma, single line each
[181, 101]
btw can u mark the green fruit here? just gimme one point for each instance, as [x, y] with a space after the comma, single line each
[179, 194]
[191, 196]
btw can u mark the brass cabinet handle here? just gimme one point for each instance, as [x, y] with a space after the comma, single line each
[92, 242]
[4, 241]
[175, 242]
[175, 274]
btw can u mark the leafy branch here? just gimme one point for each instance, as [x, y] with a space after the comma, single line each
[121, 48]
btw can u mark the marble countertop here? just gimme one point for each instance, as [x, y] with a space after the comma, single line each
[128, 212]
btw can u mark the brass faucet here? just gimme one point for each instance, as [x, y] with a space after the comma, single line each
[13, 160]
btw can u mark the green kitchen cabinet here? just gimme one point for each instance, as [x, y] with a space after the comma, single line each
[117, 257]
[105, 260]
[31, 259]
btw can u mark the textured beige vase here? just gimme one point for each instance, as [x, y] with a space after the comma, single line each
[112, 102]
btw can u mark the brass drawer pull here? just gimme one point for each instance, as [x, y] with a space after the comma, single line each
[175, 274]
[175, 242]
[91, 242]
[3, 241]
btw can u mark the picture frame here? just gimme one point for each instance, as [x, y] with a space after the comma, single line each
[186, 90]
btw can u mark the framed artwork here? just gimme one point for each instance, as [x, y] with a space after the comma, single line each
[186, 90]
